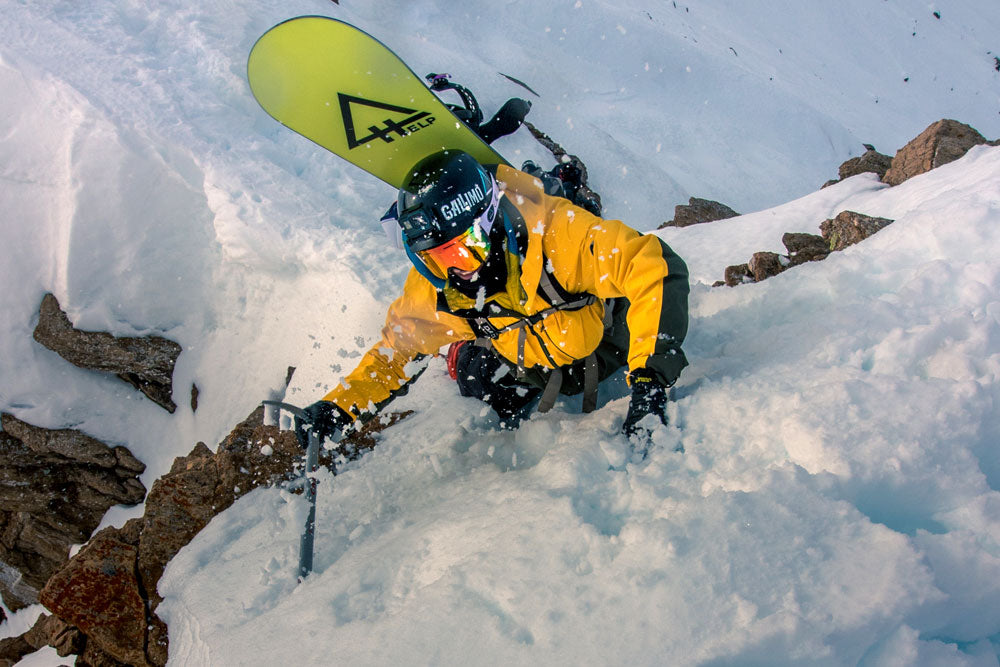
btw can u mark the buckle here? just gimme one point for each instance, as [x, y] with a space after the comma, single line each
[485, 328]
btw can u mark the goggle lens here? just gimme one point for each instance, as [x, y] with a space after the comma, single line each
[465, 253]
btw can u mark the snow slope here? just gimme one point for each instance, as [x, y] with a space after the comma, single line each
[837, 498]
[836, 502]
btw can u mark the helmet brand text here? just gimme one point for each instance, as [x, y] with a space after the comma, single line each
[463, 202]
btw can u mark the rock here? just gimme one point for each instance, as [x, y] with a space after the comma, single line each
[51, 631]
[108, 590]
[804, 248]
[12, 649]
[850, 227]
[941, 143]
[93, 656]
[738, 274]
[55, 486]
[870, 162]
[146, 363]
[697, 211]
[202, 484]
[99, 593]
[766, 264]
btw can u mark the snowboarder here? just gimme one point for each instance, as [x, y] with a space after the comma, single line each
[537, 296]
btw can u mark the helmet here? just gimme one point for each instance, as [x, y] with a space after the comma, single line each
[447, 207]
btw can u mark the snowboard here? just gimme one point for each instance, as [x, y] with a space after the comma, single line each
[343, 89]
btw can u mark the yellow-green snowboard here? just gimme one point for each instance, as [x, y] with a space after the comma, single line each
[342, 88]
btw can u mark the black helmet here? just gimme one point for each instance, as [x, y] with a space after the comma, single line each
[443, 196]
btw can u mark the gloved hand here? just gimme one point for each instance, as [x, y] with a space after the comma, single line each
[326, 419]
[647, 409]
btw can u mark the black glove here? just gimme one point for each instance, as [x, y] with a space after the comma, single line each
[649, 397]
[326, 419]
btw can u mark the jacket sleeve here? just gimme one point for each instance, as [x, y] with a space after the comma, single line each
[413, 328]
[610, 260]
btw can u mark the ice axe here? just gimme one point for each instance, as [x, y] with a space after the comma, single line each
[308, 481]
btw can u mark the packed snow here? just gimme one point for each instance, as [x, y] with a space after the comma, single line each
[836, 500]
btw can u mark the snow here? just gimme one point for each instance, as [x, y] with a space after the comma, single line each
[837, 499]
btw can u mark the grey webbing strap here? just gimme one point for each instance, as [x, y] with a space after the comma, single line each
[590, 383]
[522, 337]
[549, 290]
[551, 391]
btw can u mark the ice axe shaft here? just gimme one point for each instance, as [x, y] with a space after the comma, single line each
[310, 483]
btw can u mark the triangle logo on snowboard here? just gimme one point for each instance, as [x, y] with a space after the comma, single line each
[343, 89]
[413, 122]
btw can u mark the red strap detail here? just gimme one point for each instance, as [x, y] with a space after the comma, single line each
[453, 358]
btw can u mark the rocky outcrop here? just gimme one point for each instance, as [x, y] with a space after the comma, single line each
[108, 589]
[941, 143]
[870, 162]
[804, 248]
[763, 265]
[100, 594]
[697, 211]
[850, 227]
[846, 229]
[47, 631]
[55, 486]
[146, 363]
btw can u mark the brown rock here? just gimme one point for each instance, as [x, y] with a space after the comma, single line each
[804, 248]
[109, 589]
[941, 143]
[12, 649]
[146, 363]
[850, 227]
[870, 162]
[93, 656]
[766, 264]
[55, 486]
[697, 211]
[99, 593]
[52, 631]
[738, 274]
[202, 484]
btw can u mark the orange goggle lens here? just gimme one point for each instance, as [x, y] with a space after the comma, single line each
[466, 253]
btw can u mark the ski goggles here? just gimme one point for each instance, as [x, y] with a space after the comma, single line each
[466, 253]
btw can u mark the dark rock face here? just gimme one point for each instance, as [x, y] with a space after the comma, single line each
[766, 264]
[55, 486]
[844, 230]
[871, 162]
[697, 211]
[804, 248]
[941, 143]
[108, 590]
[738, 274]
[47, 631]
[849, 228]
[102, 580]
[146, 363]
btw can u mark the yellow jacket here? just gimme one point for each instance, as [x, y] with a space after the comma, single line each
[584, 254]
